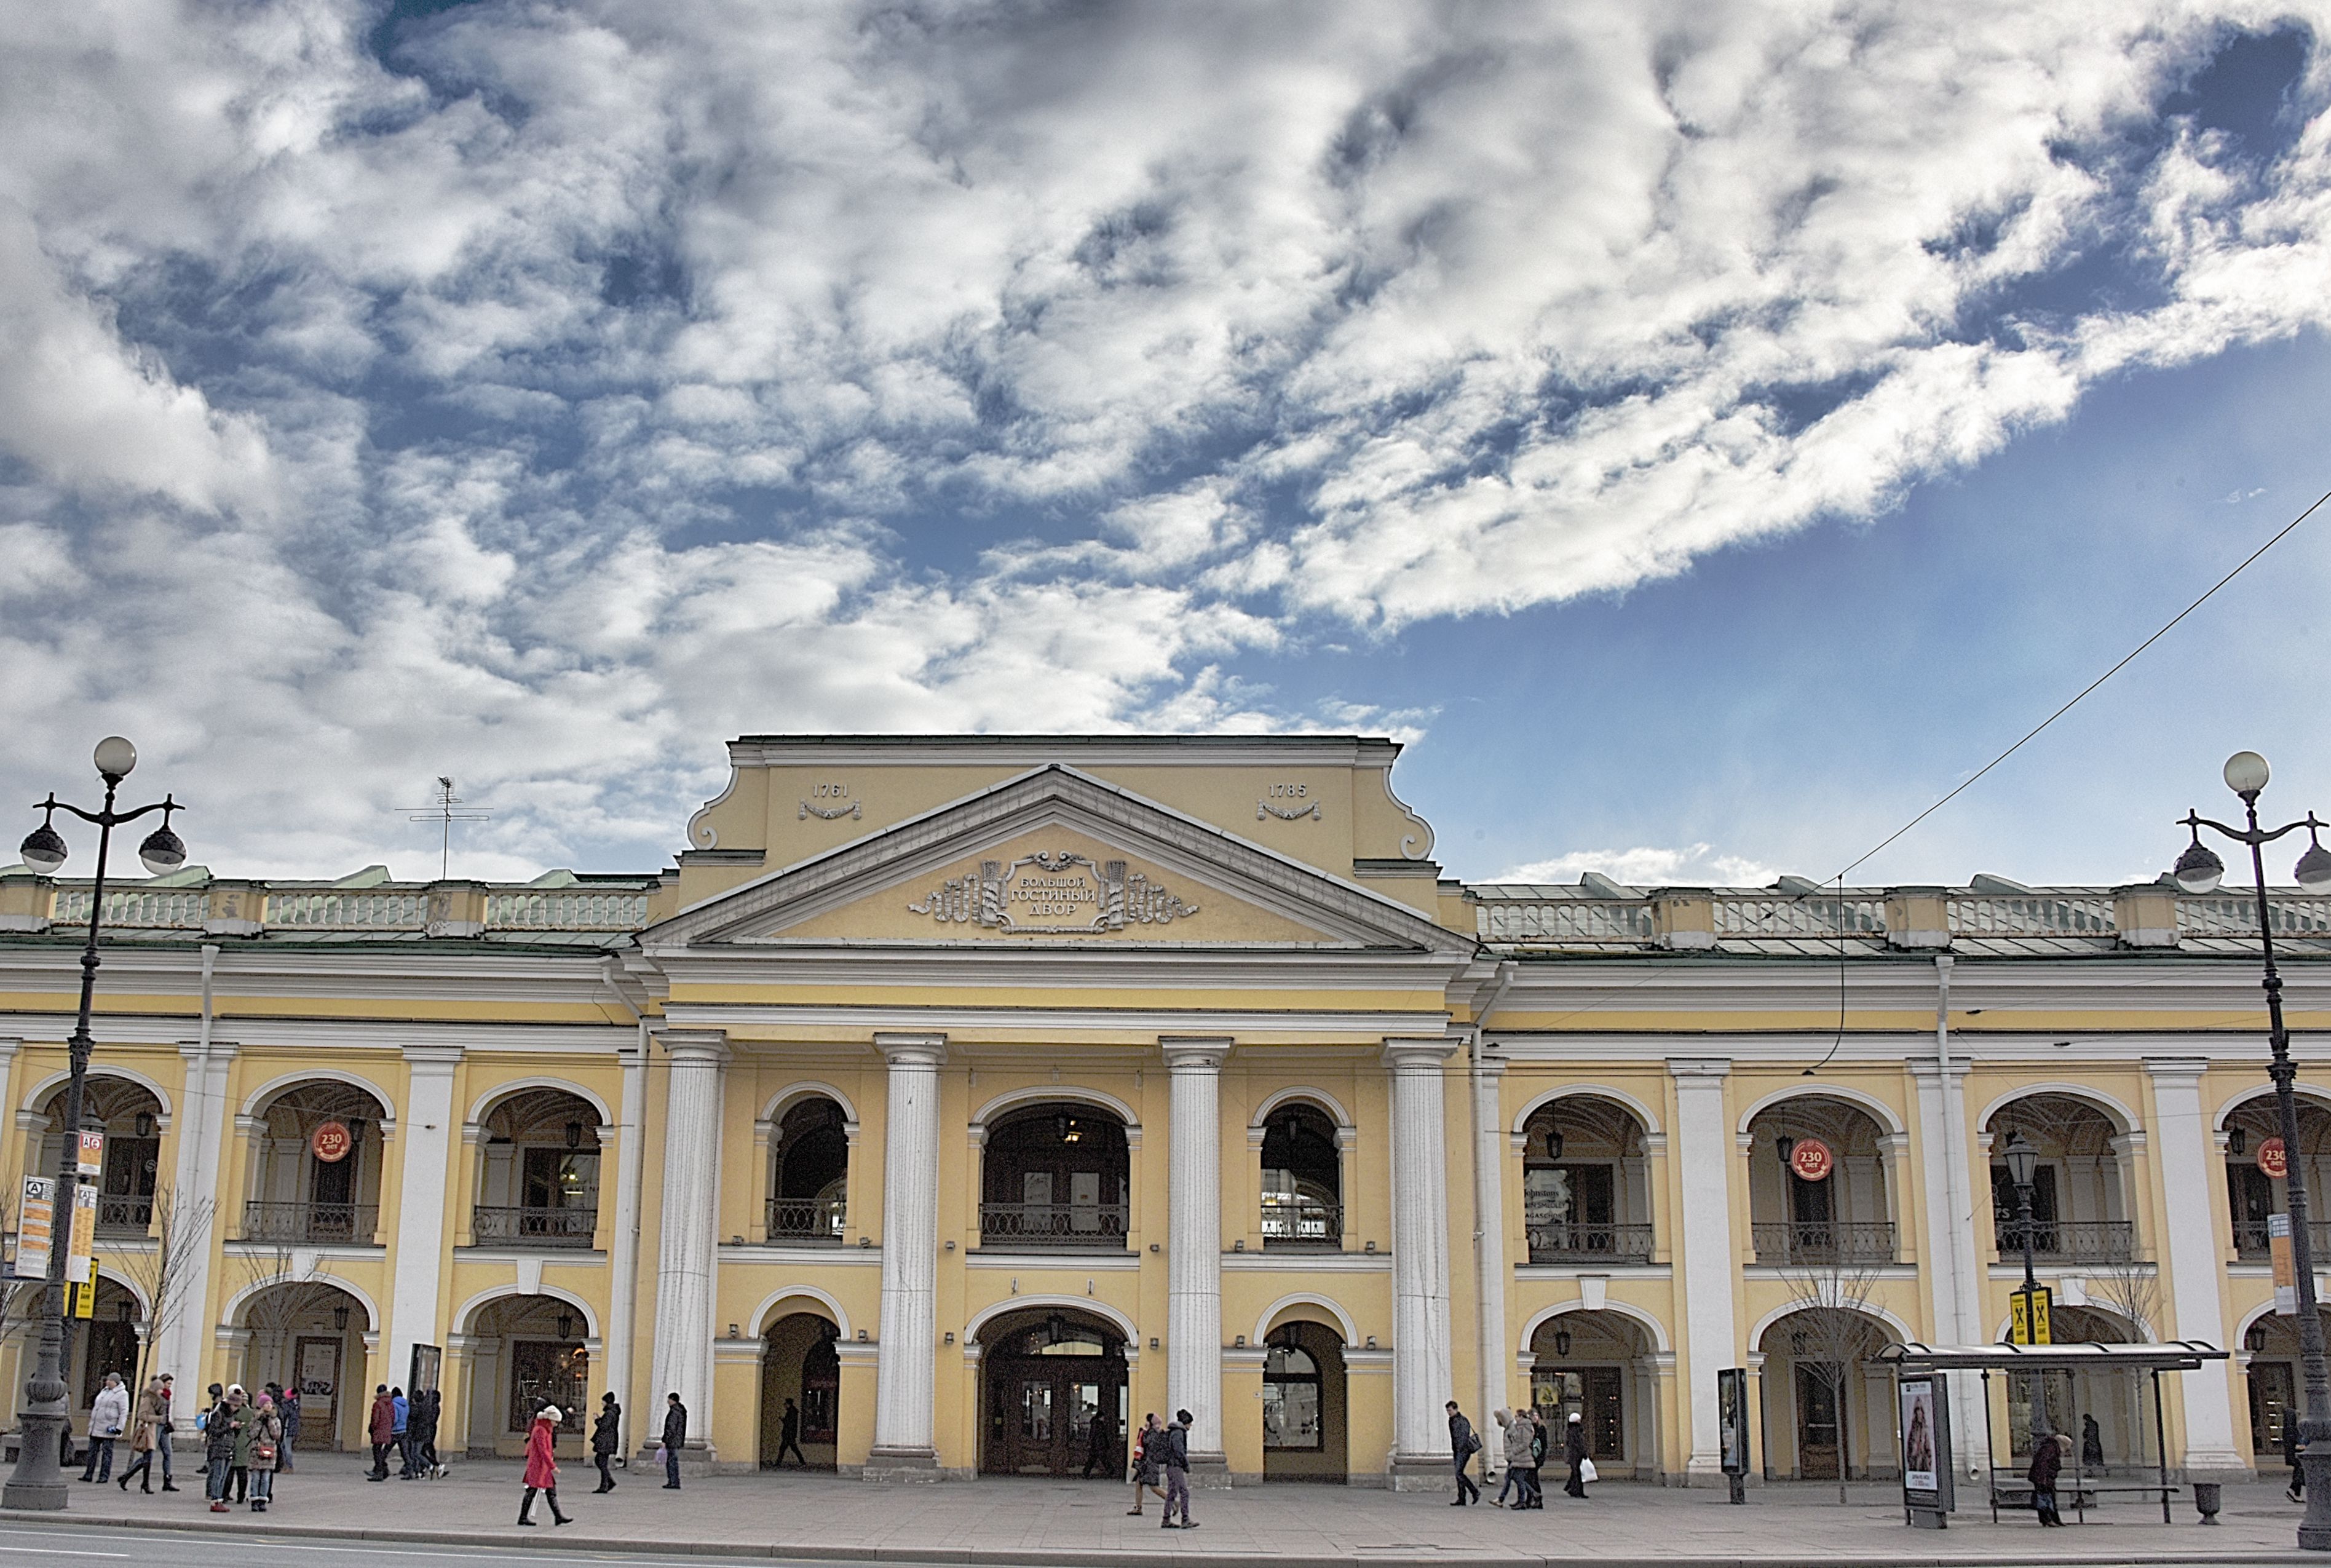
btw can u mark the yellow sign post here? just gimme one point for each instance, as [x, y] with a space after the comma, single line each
[2028, 1316]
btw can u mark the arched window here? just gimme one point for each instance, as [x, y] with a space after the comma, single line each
[1056, 1177]
[812, 1175]
[1302, 1179]
[1291, 1407]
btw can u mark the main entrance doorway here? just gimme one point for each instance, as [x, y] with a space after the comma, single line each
[1055, 1396]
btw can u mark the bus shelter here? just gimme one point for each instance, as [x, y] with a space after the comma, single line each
[1917, 1370]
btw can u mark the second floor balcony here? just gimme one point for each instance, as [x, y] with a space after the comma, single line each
[2251, 1242]
[1293, 1223]
[1558, 1238]
[1823, 1242]
[1053, 1227]
[124, 1216]
[807, 1222]
[346, 1224]
[2070, 1241]
[563, 1226]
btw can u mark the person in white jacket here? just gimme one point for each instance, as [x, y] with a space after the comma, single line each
[108, 1417]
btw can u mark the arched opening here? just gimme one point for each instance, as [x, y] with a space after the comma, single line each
[2102, 1410]
[801, 1393]
[1599, 1364]
[1055, 1394]
[809, 1174]
[1302, 1180]
[316, 1166]
[525, 1352]
[303, 1332]
[2079, 1204]
[107, 1341]
[1057, 1177]
[1817, 1184]
[1829, 1411]
[1585, 1185]
[537, 1171]
[2255, 1191]
[2277, 1393]
[1304, 1411]
[131, 1117]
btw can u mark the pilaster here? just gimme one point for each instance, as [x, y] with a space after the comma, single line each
[902, 1447]
[689, 1251]
[2194, 1241]
[417, 1264]
[1703, 1167]
[1423, 1378]
[1194, 1247]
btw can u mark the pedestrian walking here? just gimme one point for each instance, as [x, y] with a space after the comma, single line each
[1148, 1461]
[789, 1435]
[675, 1437]
[2047, 1464]
[542, 1465]
[109, 1417]
[221, 1430]
[1177, 1465]
[1574, 1452]
[608, 1440]
[1100, 1442]
[381, 1428]
[2296, 1491]
[1537, 1458]
[287, 1405]
[263, 1447]
[153, 1412]
[203, 1422]
[400, 1433]
[420, 1434]
[1463, 1444]
[1517, 1428]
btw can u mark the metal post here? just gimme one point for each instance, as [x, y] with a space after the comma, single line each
[2041, 1426]
[2314, 1432]
[2161, 1444]
[38, 1482]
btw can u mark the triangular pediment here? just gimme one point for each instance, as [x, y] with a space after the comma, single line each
[1054, 857]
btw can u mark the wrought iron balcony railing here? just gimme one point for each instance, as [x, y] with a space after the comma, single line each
[1054, 1226]
[1555, 1238]
[351, 1224]
[1823, 1241]
[530, 1227]
[2070, 1241]
[2251, 1240]
[124, 1216]
[807, 1222]
[1299, 1222]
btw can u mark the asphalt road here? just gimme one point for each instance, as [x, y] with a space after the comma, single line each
[66, 1545]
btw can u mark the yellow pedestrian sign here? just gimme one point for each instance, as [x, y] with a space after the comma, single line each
[2028, 1315]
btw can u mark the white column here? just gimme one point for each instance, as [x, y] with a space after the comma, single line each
[910, 1265]
[2195, 1249]
[1703, 1164]
[687, 1255]
[202, 1120]
[624, 1279]
[1953, 1270]
[1193, 1244]
[426, 1123]
[1497, 1358]
[1422, 1382]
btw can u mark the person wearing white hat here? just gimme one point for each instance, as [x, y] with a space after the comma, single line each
[542, 1464]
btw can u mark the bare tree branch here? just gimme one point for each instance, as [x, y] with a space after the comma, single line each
[1830, 1327]
[180, 1230]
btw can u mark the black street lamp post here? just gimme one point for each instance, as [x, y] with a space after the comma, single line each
[2023, 1164]
[2199, 870]
[38, 1480]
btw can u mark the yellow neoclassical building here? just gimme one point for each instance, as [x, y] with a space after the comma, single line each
[953, 1101]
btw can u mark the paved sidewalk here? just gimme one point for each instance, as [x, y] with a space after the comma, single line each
[816, 1516]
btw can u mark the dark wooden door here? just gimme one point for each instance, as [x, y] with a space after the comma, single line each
[1043, 1412]
[1821, 1429]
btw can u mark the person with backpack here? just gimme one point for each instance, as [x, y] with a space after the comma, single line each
[1537, 1458]
[1177, 1470]
[1463, 1444]
[1148, 1461]
[608, 1440]
[221, 1432]
[261, 1447]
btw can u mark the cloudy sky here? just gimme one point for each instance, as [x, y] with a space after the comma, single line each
[1706, 432]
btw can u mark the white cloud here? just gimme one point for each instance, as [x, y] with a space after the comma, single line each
[1649, 866]
[594, 381]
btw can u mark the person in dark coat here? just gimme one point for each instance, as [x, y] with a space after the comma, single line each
[675, 1435]
[1463, 1444]
[607, 1438]
[2297, 1489]
[1574, 1449]
[381, 1428]
[221, 1431]
[287, 1404]
[1101, 1445]
[789, 1435]
[2047, 1464]
[420, 1434]
[1177, 1471]
[1537, 1458]
[2092, 1444]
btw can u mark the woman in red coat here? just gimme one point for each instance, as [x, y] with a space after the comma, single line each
[542, 1464]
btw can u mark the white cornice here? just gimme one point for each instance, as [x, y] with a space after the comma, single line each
[999, 967]
[391, 1036]
[1033, 1020]
[1093, 750]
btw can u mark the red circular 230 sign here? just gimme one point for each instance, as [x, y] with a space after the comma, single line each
[1811, 1161]
[2273, 1158]
[332, 1143]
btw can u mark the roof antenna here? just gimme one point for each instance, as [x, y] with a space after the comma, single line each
[442, 811]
